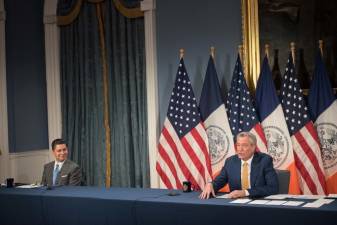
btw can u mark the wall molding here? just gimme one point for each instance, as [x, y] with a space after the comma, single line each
[4, 157]
[49, 19]
[16, 164]
[43, 152]
[27, 167]
[2, 15]
[52, 71]
[148, 6]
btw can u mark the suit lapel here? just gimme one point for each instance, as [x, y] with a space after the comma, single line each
[237, 171]
[50, 173]
[254, 170]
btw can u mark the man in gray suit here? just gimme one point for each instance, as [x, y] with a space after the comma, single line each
[62, 171]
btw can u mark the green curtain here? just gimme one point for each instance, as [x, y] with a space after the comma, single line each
[82, 96]
[81, 91]
[125, 41]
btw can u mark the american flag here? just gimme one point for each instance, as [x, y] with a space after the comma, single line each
[303, 135]
[183, 153]
[241, 111]
[323, 111]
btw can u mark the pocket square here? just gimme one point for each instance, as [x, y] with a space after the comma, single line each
[63, 176]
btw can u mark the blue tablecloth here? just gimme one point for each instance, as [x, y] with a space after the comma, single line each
[187, 209]
[95, 206]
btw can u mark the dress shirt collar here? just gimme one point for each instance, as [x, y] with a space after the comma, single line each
[59, 163]
[249, 161]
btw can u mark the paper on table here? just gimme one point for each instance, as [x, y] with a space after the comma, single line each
[313, 205]
[241, 200]
[293, 203]
[318, 203]
[222, 196]
[308, 196]
[259, 202]
[29, 186]
[275, 202]
[278, 197]
[326, 201]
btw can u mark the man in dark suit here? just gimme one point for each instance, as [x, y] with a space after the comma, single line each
[248, 173]
[62, 171]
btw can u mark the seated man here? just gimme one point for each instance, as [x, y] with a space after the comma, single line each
[248, 173]
[62, 171]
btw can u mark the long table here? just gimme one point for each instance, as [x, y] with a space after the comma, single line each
[131, 206]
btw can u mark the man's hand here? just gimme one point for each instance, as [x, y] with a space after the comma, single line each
[237, 194]
[208, 190]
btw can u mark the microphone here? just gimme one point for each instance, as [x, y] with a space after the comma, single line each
[173, 193]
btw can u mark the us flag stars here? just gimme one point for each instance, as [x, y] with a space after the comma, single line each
[183, 111]
[242, 115]
[296, 113]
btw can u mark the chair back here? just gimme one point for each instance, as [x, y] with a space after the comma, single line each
[283, 181]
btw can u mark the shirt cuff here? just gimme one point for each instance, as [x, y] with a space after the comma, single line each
[246, 193]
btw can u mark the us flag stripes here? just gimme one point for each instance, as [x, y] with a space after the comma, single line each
[183, 153]
[304, 138]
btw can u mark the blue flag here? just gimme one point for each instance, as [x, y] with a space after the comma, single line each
[214, 116]
[321, 94]
[323, 110]
[273, 122]
[266, 97]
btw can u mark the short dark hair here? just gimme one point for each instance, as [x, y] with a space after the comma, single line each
[58, 141]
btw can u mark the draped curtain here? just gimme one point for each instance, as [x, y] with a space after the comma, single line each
[125, 42]
[83, 60]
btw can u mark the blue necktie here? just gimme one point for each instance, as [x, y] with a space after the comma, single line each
[56, 171]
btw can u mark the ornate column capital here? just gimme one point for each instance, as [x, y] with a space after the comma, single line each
[147, 5]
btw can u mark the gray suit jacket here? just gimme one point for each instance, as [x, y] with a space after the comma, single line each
[70, 174]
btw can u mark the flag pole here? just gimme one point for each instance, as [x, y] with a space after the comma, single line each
[240, 50]
[320, 44]
[292, 48]
[181, 53]
[212, 52]
[266, 50]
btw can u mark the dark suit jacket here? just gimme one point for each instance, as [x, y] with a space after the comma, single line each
[70, 174]
[263, 178]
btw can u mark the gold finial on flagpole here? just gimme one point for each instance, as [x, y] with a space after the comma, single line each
[292, 48]
[266, 50]
[181, 53]
[320, 45]
[240, 49]
[212, 52]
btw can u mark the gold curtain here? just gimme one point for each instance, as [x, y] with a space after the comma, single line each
[251, 44]
[72, 15]
[128, 12]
